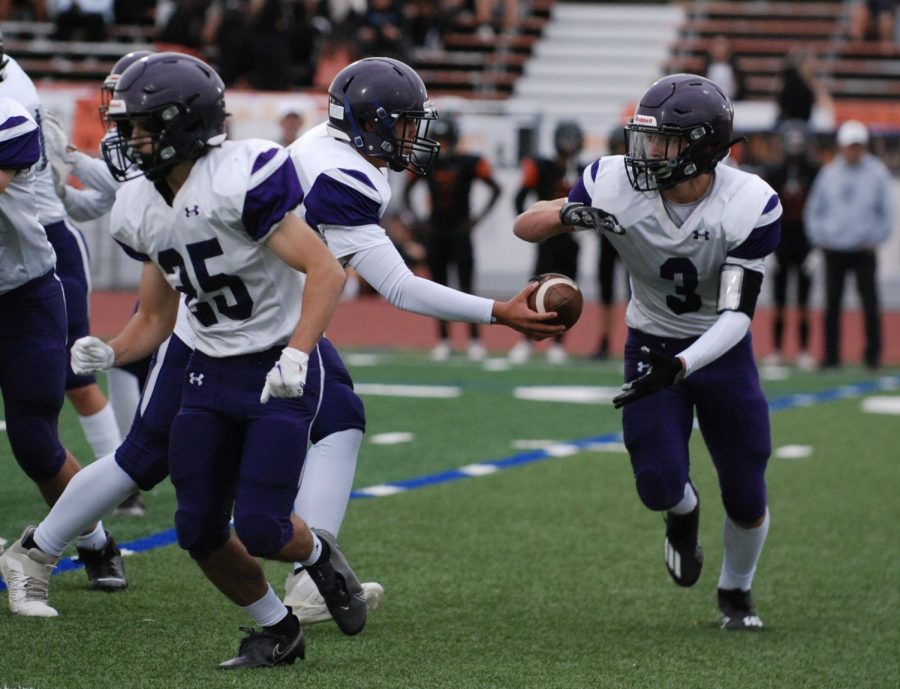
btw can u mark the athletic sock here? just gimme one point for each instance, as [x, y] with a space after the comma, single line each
[742, 550]
[94, 540]
[268, 610]
[101, 431]
[687, 503]
[319, 550]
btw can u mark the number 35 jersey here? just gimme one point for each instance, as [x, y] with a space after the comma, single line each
[674, 271]
[210, 244]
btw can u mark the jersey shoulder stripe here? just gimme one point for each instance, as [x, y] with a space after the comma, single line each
[331, 202]
[274, 192]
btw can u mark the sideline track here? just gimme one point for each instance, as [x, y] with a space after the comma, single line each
[562, 449]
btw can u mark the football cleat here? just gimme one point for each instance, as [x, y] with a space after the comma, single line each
[27, 575]
[683, 553]
[520, 353]
[476, 351]
[441, 351]
[339, 586]
[105, 569]
[737, 609]
[265, 649]
[301, 594]
[131, 506]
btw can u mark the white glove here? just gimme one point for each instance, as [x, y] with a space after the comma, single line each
[56, 140]
[287, 377]
[91, 354]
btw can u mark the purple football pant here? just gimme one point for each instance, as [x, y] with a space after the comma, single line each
[733, 416]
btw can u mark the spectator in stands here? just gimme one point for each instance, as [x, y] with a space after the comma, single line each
[23, 10]
[721, 67]
[800, 90]
[792, 179]
[382, 30]
[451, 222]
[186, 26]
[873, 18]
[291, 123]
[849, 213]
[81, 20]
[428, 21]
[543, 179]
[140, 12]
[487, 10]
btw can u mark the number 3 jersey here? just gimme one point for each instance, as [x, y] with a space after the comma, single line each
[210, 244]
[674, 270]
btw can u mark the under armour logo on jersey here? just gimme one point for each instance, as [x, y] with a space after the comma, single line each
[188, 212]
[195, 378]
[697, 234]
[642, 367]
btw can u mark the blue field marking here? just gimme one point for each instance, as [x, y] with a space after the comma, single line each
[164, 538]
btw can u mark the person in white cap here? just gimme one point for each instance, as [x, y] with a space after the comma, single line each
[849, 213]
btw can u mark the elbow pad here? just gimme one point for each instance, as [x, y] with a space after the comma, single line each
[738, 289]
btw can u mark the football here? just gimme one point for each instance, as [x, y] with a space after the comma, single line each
[557, 293]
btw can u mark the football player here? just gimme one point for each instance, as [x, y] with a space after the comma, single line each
[550, 178]
[451, 222]
[33, 357]
[693, 235]
[72, 266]
[379, 113]
[212, 219]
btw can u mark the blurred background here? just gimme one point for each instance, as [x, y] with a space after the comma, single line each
[507, 71]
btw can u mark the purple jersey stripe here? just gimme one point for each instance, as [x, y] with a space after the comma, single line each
[330, 202]
[13, 121]
[594, 167]
[358, 174]
[771, 204]
[579, 193]
[266, 204]
[22, 151]
[136, 255]
[762, 241]
[264, 158]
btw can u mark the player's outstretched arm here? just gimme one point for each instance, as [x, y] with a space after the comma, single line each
[541, 221]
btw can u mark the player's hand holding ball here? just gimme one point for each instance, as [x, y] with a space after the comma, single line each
[519, 313]
[90, 354]
[556, 293]
[287, 377]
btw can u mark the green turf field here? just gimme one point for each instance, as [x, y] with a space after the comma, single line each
[546, 575]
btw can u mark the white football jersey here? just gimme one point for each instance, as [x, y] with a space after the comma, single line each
[18, 86]
[210, 244]
[674, 271]
[25, 251]
[344, 194]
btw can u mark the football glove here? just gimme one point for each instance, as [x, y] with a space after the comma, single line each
[589, 218]
[664, 371]
[287, 377]
[90, 354]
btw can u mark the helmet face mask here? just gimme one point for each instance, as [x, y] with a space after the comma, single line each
[175, 103]
[379, 105]
[681, 129]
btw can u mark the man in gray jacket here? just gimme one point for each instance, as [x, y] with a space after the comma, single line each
[849, 213]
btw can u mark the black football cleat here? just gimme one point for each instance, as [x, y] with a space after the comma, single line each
[737, 609]
[105, 569]
[684, 555]
[132, 506]
[265, 649]
[339, 586]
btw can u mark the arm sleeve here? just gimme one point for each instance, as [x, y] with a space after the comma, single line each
[94, 173]
[383, 268]
[87, 204]
[725, 333]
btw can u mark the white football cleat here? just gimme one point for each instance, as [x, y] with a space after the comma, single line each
[441, 351]
[556, 355]
[301, 594]
[27, 575]
[476, 351]
[805, 362]
[520, 353]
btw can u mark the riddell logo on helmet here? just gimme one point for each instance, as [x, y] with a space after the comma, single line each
[645, 119]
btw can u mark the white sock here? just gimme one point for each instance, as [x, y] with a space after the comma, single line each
[93, 492]
[688, 502]
[742, 550]
[95, 540]
[268, 610]
[101, 431]
[327, 480]
[315, 554]
[124, 396]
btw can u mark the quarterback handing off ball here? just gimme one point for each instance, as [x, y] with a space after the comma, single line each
[558, 293]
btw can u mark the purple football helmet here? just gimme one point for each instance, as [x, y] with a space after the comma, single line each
[681, 128]
[109, 83]
[179, 100]
[372, 100]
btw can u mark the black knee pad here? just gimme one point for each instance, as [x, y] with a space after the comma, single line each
[262, 534]
[198, 537]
